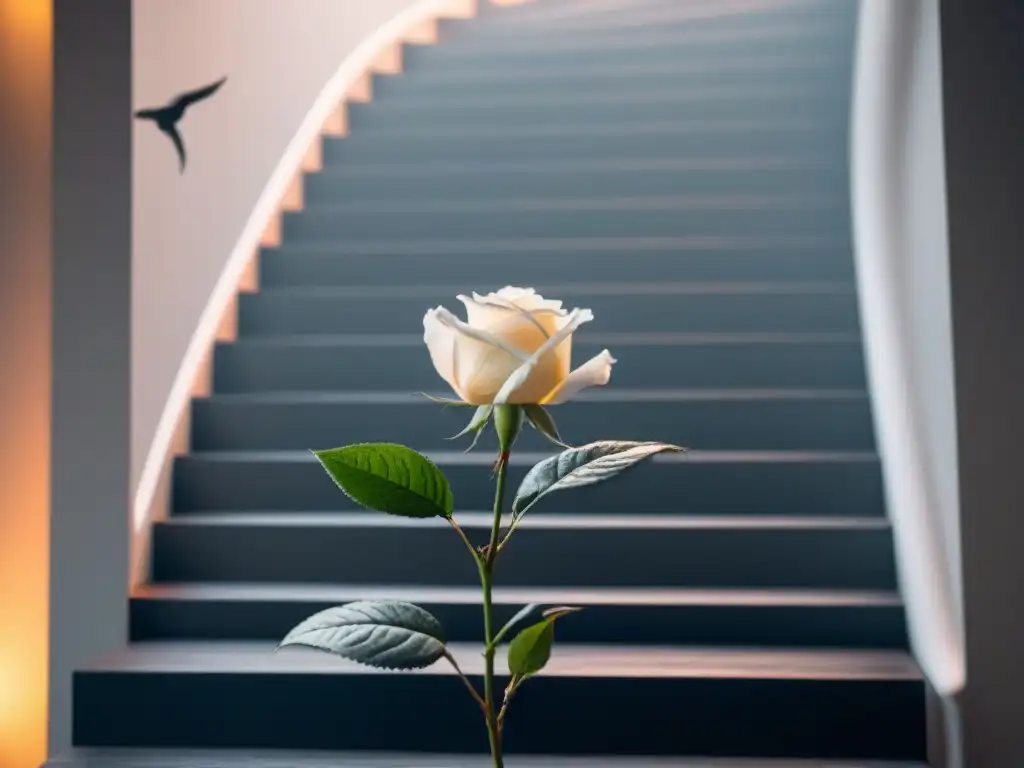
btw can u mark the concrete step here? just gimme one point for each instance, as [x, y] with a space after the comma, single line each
[621, 308]
[657, 616]
[640, 16]
[674, 41]
[825, 704]
[125, 757]
[629, 550]
[666, 361]
[673, 138]
[816, 67]
[715, 420]
[624, 109]
[726, 177]
[703, 483]
[320, 266]
[651, 217]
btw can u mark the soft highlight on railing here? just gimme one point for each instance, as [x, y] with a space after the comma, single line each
[892, 75]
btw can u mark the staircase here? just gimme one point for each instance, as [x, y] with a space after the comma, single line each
[678, 167]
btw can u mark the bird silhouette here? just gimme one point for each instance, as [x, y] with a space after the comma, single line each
[167, 117]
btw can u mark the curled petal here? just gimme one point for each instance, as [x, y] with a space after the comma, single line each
[440, 341]
[449, 320]
[596, 372]
[493, 310]
[509, 390]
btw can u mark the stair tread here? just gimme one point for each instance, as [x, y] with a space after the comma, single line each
[655, 338]
[633, 203]
[611, 394]
[517, 595]
[614, 96]
[678, 288]
[528, 459]
[677, 127]
[732, 162]
[473, 519]
[567, 661]
[260, 758]
[570, 245]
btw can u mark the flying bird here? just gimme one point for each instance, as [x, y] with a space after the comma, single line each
[167, 117]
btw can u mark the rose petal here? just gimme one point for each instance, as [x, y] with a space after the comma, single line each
[440, 341]
[449, 320]
[596, 372]
[487, 311]
[484, 360]
[510, 390]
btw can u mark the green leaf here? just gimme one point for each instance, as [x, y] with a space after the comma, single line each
[389, 478]
[577, 467]
[530, 650]
[543, 421]
[388, 634]
[476, 424]
[521, 614]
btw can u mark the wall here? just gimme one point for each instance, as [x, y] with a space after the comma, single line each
[25, 99]
[91, 342]
[277, 56]
[982, 61]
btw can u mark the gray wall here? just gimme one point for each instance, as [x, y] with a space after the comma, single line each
[983, 70]
[91, 341]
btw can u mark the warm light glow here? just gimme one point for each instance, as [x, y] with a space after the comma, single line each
[25, 116]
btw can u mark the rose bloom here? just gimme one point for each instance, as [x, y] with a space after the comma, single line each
[514, 347]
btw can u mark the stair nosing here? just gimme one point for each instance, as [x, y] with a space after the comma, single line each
[131, 757]
[595, 339]
[611, 395]
[661, 95]
[798, 61]
[564, 204]
[425, 246]
[569, 290]
[529, 458]
[472, 520]
[756, 162]
[639, 596]
[591, 661]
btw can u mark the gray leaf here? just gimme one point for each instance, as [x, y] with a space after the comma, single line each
[388, 634]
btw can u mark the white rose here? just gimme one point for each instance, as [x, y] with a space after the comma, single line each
[515, 347]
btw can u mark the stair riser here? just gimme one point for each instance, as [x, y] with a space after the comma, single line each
[734, 717]
[678, 43]
[830, 111]
[806, 424]
[426, 182]
[294, 267]
[295, 368]
[638, 145]
[694, 625]
[297, 312]
[736, 557]
[486, 80]
[326, 224]
[791, 488]
[546, 20]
